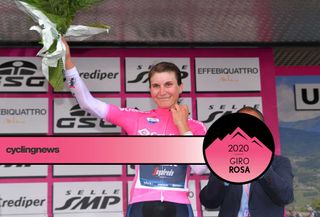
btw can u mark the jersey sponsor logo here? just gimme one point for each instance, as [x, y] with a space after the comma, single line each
[163, 172]
[132, 110]
[146, 132]
[81, 119]
[163, 176]
[71, 82]
[153, 120]
[19, 73]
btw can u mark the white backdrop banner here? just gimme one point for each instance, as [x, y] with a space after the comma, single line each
[211, 109]
[99, 74]
[137, 72]
[307, 96]
[22, 74]
[87, 170]
[70, 118]
[227, 74]
[18, 114]
[23, 170]
[23, 199]
[87, 197]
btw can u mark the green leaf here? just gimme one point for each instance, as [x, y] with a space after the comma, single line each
[53, 46]
[56, 77]
[61, 12]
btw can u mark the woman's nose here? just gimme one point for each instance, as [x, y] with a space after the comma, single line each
[162, 91]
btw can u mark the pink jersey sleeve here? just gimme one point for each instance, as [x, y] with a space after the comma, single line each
[125, 118]
[197, 127]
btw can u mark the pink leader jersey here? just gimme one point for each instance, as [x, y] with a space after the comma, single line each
[155, 182]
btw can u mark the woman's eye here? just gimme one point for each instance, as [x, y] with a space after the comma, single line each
[168, 84]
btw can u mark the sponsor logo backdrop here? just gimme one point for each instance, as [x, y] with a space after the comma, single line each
[87, 197]
[21, 74]
[215, 81]
[137, 72]
[24, 115]
[23, 170]
[23, 198]
[99, 74]
[227, 74]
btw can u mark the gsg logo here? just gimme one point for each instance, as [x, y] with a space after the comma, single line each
[14, 165]
[20, 75]
[81, 119]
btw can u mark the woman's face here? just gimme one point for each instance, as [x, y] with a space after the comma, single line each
[164, 89]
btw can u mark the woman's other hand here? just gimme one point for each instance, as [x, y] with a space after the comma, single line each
[180, 114]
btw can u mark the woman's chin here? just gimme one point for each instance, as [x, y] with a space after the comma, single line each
[164, 106]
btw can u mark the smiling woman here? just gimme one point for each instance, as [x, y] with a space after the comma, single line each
[157, 189]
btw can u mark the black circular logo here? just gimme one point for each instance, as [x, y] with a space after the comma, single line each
[238, 148]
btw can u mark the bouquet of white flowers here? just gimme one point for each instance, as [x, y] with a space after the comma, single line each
[54, 18]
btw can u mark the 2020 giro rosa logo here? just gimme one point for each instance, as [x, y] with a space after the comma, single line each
[238, 148]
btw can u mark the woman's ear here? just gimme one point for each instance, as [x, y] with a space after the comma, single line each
[180, 88]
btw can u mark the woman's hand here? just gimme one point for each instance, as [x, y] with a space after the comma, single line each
[69, 64]
[180, 115]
